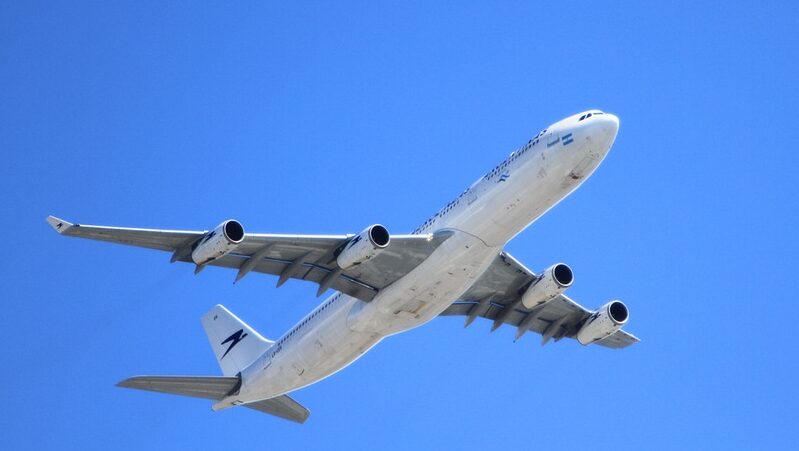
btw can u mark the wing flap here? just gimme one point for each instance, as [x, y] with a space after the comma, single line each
[291, 246]
[537, 320]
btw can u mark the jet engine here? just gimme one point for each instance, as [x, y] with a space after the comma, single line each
[363, 246]
[218, 242]
[603, 322]
[553, 281]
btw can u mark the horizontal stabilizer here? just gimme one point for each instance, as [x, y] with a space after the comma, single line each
[216, 388]
[283, 407]
[208, 387]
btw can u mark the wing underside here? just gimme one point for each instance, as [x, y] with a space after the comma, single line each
[496, 296]
[304, 257]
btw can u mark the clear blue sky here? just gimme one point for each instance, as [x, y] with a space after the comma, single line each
[326, 117]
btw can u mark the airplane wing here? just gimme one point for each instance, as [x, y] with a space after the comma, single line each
[305, 257]
[497, 297]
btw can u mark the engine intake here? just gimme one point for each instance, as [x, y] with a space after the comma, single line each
[364, 246]
[552, 282]
[218, 242]
[605, 321]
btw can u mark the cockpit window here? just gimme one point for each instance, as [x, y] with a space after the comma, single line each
[586, 116]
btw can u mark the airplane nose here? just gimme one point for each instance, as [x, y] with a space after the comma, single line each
[608, 125]
[603, 128]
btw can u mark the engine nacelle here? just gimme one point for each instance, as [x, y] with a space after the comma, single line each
[218, 242]
[605, 321]
[363, 246]
[553, 281]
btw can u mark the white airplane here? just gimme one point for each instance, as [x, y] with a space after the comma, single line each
[453, 264]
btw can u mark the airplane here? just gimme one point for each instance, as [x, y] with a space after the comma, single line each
[452, 264]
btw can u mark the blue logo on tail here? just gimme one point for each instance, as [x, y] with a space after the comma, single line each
[233, 340]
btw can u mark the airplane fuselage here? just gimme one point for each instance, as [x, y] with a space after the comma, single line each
[482, 220]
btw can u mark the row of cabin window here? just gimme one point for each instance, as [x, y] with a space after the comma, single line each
[501, 166]
[512, 157]
[430, 221]
[444, 211]
[453, 203]
[312, 316]
[449, 207]
[535, 140]
[493, 172]
[424, 226]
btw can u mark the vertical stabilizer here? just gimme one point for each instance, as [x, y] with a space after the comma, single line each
[235, 344]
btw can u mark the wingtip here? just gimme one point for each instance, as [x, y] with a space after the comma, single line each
[126, 383]
[305, 417]
[59, 224]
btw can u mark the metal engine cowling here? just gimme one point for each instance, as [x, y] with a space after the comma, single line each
[552, 282]
[363, 246]
[606, 320]
[218, 242]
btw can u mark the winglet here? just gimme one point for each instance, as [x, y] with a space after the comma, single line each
[59, 224]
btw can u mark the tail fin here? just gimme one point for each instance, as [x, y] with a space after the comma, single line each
[235, 344]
